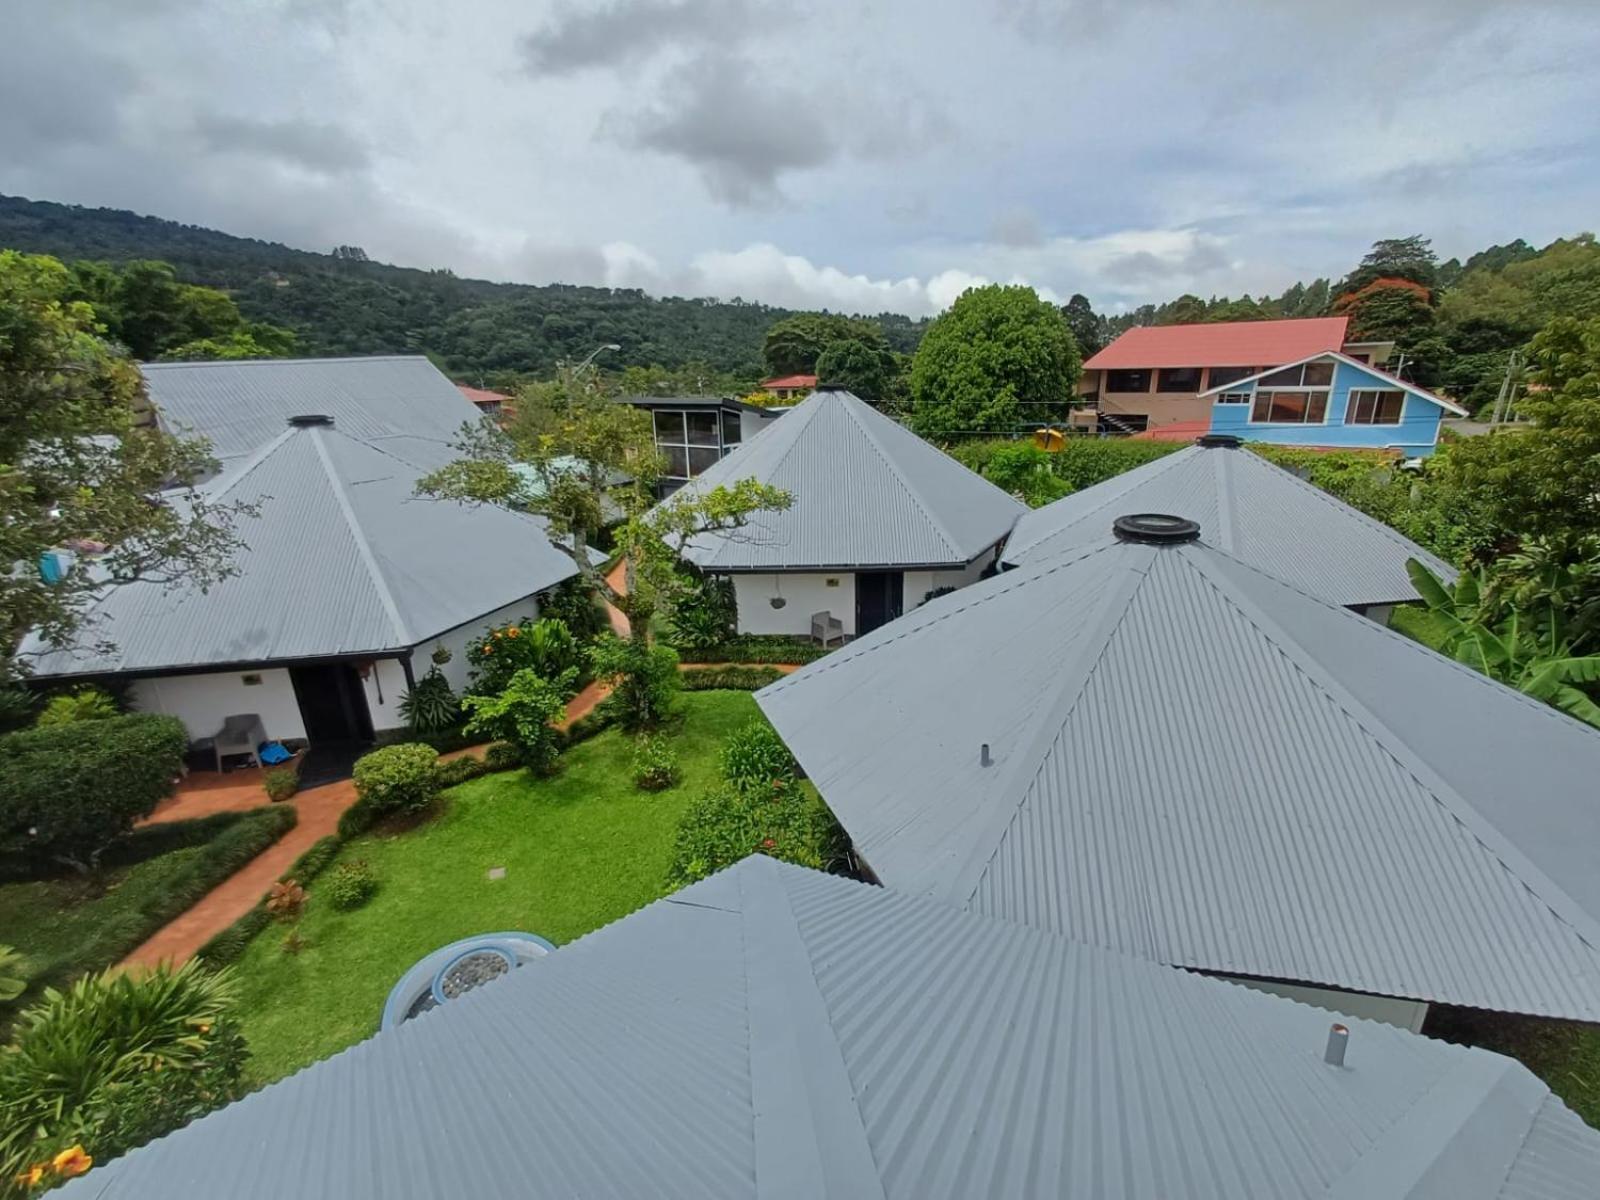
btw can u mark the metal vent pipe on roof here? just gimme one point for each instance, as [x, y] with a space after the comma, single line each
[984, 759]
[1155, 528]
[1338, 1039]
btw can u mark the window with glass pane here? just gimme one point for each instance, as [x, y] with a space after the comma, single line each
[702, 458]
[1233, 398]
[1178, 379]
[1221, 375]
[732, 430]
[677, 461]
[669, 426]
[702, 428]
[1288, 377]
[1375, 407]
[1317, 374]
[1289, 408]
[1128, 381]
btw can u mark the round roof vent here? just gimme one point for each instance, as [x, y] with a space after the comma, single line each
[1155, 528]
[1219, 441]
[308, 420]
[831, 387]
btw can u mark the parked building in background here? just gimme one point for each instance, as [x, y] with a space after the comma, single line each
[694, 433]
[881, 521]
[1156, 375]
[786, 389]
[490, 404]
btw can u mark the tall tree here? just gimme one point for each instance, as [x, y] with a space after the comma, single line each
[998, 357]
[867, 370]
[1089, 329]
[149, 310]
[81, 465]
[793, 345]
[1395, 258]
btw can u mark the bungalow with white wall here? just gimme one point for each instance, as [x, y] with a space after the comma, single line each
[881, 520]
[347, 582]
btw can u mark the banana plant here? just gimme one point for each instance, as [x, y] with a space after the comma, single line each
[1529, 652]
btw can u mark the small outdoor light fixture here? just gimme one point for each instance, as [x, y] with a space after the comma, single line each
[1338, 1039]
[1155, 528]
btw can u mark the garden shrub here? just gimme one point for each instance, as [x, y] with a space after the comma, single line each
[397, 779]
[655, 763]
[761, 648]
[704, 611]
[285, 901]
[18, 707]
[431, 706]
[229, 945]
[357, 819]
[755, 756]
[444, 740]
[458, 770]
[733, 679]
[351, 884]
[1086, 461]
[13, 974]
[68, 792]
[545, 647]
[644, 679]
[525, 714]
[573, 603]
[1025, 471]
[315, 860]
[114, 1061]
[502, 756]
[780, 819]
[281, 782]
[85, 704]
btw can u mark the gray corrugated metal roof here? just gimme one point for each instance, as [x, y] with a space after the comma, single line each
[867, 493]
[240, 406]
[777, 1032]
[1199, 764]
[1260, 513]
[342, 559]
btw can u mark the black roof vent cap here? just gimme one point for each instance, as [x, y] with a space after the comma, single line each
[308, 420]
[831, 387]
[1158, 529]
[1219, 441]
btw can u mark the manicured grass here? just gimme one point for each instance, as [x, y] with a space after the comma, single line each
[580, 850]
[1565, 1054]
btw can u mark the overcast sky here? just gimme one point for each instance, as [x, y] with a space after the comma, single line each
[855, 154]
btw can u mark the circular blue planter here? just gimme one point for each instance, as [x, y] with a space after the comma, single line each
[414, 994]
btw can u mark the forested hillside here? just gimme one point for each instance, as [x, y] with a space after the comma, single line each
[342, 303]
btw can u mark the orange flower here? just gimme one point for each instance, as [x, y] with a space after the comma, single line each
[72, 1161]
[488, 649]
[32, 1176]
[513, 631]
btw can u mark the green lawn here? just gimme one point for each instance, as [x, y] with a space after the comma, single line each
[580, 850]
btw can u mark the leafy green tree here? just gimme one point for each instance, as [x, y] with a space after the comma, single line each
[1528, 651]
[525, 714]
[866, 369]
[998, 357]
[1185, 310]
[1025, 471]
[146, 307]
[793, 345]
[1089, 329]
[1395, 258]
[79, 463]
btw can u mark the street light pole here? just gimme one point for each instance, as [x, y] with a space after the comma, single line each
[592, 354]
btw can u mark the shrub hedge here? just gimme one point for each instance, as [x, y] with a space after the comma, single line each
[458, 770]
[755, 757]
[228, 945]
[395, 779]
[67, 792]
[757, 648]
[783, 820]
[502, 756]
[351, 884]
[731, 678]
[281, 782]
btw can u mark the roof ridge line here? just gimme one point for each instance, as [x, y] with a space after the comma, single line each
[809, 1140]
[1016, 577]
[251, 461]
[1226, 533]
[1157, 467]
[363, 547]
[1109, 615]
[939, 526]
[1456, 806]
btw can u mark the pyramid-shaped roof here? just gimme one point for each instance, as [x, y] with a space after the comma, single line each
[1197, 763]
[867, 493]
[342, 559]
[776, 1032]
[1256, 511]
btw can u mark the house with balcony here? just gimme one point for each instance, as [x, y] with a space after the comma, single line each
[694, 433]
[1158, 375]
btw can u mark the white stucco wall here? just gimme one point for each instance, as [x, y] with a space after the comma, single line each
[385, 684]
[920, 583]
[805, 593]
[1407, 1014]
[202, 701]
[457, 669]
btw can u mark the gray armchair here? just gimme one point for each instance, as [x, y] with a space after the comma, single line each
[239, 734]
[825, 627]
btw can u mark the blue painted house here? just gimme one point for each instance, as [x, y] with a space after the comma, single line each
[1330, 399]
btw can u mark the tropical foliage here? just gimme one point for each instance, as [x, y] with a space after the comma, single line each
[85, 704]
[545, 646]
[432, 705]
[524, 714]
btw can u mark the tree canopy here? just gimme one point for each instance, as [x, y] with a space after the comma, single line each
[1000, 356]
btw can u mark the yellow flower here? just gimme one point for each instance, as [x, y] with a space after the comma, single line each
[72, 1161]
[30, 1178]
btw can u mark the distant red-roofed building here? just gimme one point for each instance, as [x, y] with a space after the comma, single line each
[790, 387]
[1153, 375]
[490, 404]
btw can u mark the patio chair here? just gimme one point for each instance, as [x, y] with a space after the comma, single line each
[240, 734]
[825, 627]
